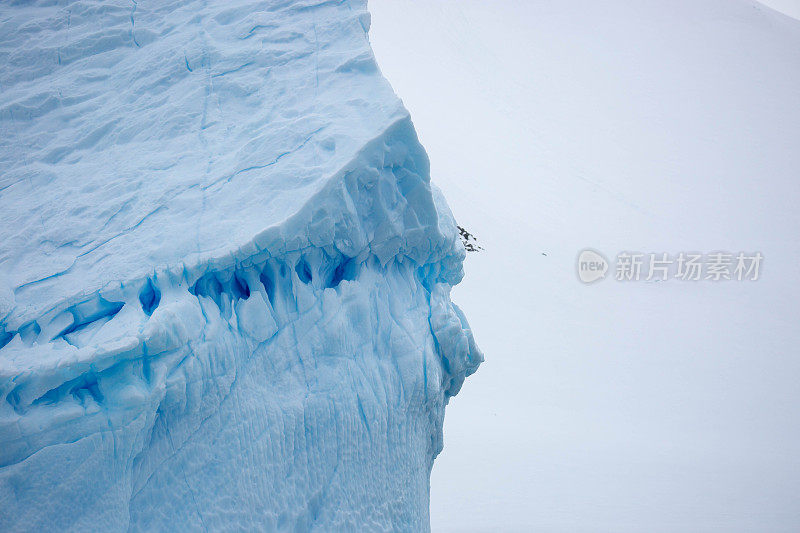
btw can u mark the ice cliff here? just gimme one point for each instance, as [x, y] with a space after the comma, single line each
[224, 273]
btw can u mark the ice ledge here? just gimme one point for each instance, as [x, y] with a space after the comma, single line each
[299, 383]
[379, 214]
[380, 203]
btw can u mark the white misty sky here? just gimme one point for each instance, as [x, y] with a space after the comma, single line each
[621, 125]
[787, 7]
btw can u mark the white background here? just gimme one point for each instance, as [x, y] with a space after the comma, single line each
[643, 125]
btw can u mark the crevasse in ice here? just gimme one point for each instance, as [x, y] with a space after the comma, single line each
[224, 272]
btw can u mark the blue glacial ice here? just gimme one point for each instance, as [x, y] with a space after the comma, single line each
[224, 273]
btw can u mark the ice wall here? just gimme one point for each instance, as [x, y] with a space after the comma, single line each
[224, 273]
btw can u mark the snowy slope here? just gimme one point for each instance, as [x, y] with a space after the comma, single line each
[617, 125]
[224, 273]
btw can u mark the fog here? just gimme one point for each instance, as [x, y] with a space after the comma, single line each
[657, 127]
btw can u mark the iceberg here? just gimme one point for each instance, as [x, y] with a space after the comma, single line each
[224, 273]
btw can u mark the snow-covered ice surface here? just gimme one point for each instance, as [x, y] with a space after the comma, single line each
[649, 125]
[224, 273]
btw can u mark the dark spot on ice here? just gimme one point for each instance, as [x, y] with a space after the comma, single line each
[149, 297]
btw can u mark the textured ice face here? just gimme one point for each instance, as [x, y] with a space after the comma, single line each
[144, 134]
[225, 274]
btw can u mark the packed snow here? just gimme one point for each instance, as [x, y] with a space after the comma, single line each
[224, 273]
